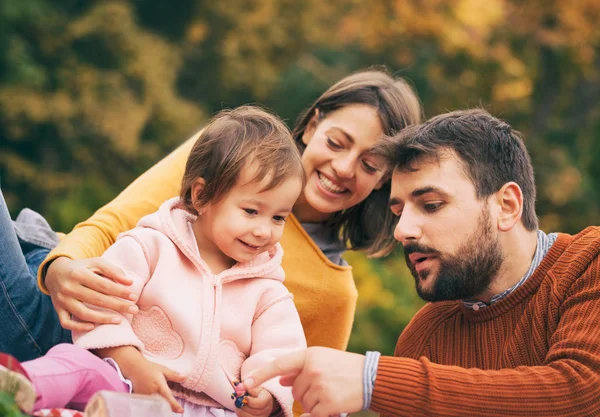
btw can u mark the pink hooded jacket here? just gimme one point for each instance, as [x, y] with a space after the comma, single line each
[191, 320]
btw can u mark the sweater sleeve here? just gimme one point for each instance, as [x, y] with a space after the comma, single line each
[129, 255]
[276, 330]
[566, 384]
[92, 237]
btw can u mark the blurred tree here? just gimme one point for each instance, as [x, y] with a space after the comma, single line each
[387, 301]
[82, 89]
[535, 63]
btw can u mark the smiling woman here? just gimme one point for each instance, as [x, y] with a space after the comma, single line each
[340, 165]
[346, 122]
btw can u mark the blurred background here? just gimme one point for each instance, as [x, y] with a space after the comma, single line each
[92, 93]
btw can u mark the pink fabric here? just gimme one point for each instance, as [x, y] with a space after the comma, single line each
[203, 325]
[67, 376]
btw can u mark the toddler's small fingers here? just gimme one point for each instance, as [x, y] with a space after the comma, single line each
[166, 393]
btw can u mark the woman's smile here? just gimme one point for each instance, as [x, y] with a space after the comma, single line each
[329, 185]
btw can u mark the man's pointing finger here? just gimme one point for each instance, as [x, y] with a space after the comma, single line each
[289, 365]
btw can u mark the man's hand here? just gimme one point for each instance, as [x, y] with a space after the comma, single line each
[325, 381]
[92, 281]
[260, 404]
[146, 377]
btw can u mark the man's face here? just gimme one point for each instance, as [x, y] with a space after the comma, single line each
[449, 236]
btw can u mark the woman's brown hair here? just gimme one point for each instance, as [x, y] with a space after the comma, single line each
[232, 140]
[369, 225]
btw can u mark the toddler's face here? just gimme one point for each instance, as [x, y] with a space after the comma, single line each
[248, 220]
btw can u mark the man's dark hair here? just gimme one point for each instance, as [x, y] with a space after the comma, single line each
[491, 152]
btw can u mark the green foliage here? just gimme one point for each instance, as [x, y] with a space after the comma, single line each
[387, 301]
[8, 407]
[94, 92]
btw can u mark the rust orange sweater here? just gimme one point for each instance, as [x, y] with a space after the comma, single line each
[534, 353]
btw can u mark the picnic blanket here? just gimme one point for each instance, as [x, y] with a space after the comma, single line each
[58, 412]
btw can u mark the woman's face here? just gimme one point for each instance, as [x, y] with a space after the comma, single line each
[341, 171]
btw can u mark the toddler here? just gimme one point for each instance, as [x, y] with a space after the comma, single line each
[206, 271]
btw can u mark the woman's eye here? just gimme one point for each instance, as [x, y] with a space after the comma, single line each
[333, 144]
[369, 168]
[250, 211]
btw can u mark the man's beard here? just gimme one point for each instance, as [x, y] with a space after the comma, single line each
[465, 274]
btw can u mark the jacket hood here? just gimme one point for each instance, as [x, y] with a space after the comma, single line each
[174, 221]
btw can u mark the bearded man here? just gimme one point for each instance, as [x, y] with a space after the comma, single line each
[513, 324]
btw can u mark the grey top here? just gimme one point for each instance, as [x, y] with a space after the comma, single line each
[329, 244]
[544, 243]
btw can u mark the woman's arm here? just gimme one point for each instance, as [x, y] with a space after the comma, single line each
[72, 274]
[129, 254]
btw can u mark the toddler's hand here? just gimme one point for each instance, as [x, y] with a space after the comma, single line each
[152, 379]
[260, 404]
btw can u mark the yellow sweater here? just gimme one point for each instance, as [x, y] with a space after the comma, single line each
[324, 293]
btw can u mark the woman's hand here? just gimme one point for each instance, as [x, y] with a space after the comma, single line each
[260, 404]
[93, 281]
